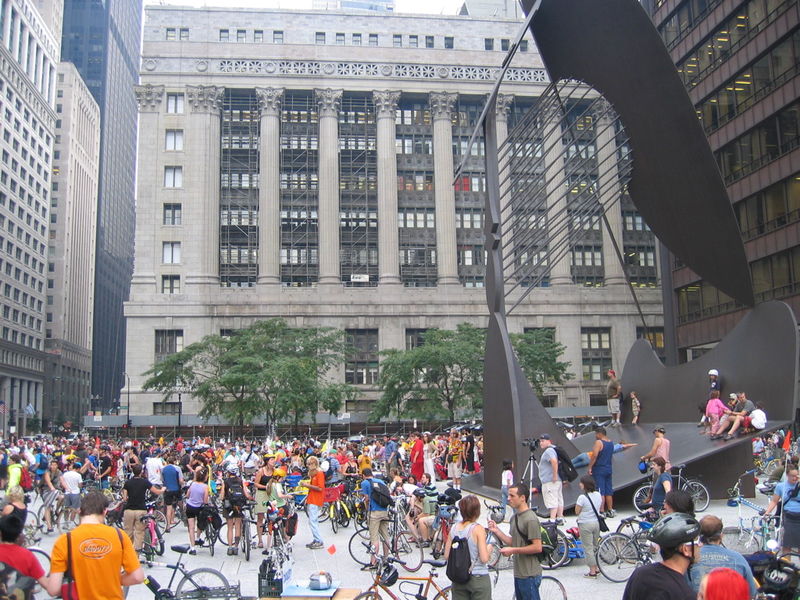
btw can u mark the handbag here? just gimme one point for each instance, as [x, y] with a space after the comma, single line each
[69, 588]
[600, 520]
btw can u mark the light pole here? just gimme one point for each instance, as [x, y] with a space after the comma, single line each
[128, 418]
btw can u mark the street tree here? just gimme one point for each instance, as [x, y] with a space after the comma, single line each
[442, 377]
[268, 369]
[539, 356]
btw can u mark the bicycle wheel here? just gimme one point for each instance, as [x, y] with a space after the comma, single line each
[65, 521]
[437, 544]
[551, 589]
[699, 494]
[344, 515]
[357, 549]
[43, 558]
[409, 550]
[333, 514]
[33, 529]
[444, 594]
[211, 537]
[222, 533]
[740, 540]
[560, 554]
[158, 543]
[247, 541]
[617, 557]
[771, 468]
[160, 518]
[202, 583]
[368, 595]
[640, 497]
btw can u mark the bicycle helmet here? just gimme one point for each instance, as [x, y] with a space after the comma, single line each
[497, 514]
[279, 472]
[389, 575]
[713, 372]
[643, 466]
[673, 530]
[419, 493]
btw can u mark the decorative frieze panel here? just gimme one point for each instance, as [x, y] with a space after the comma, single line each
[302, 68]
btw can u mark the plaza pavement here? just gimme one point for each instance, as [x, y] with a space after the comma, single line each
[344, 569]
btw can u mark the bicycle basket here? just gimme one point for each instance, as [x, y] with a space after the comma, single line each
[332, 494]
[389, 575]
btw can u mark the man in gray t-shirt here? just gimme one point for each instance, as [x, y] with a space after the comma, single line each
[737, 417]
[548, 474]
[524, 543]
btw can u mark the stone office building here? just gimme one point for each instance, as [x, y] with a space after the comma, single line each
[300, 164]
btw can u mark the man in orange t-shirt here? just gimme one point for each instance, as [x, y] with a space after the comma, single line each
[103, 559]
[314, 501]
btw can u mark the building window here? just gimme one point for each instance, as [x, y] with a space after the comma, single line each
[224, 35]
[170, 284]
[488, 43]
[258, 36]
[598, 400]
[168, 341]
[172, 34]
[171, 253]
[174, 139]
[448, 42]
[373, 39]
[523, 46]
[504, 45]
[429, 41]
[413, 41]
[595, 352]
[172, 214]
[173, 177]
[175, 103]
[415, 338]
[166, 408]
[319, 37]
[361, 366]
[397, 41]
[654, 335]
[184, 31]
[277, 37]
[241, 35]
[340, 39]
[356, 39]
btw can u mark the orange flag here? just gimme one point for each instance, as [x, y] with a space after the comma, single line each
[787, 442]
[331, 549]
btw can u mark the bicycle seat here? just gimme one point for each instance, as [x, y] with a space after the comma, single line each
[629, 520]
[679, 467]
[434, 563]
[180, 548]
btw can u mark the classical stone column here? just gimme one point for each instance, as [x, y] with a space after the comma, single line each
[388, 233]
[7, 25]
[442, 106]
[150, 179]
[609, 190]
[328, 102]
[201, 176]
[557, 217]
[269, 192]
[502, 106]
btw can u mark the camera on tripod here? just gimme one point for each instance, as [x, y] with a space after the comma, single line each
[531, 443]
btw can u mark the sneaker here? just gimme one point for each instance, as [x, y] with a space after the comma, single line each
[612, 513]
[235, 551]
[316, 545]
[728, 437]
[559, 521]
[192, 551]
[230, 551]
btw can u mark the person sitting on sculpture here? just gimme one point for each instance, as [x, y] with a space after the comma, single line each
[584, 458]
[737, 416]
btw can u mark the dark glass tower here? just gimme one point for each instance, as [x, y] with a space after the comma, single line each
[103, 39]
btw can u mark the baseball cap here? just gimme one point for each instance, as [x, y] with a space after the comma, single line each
[732, 396]
[713, 372]
[544, 436]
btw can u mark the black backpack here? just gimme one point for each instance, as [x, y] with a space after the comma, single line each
[566, 470]
[234, 491]
[380, 494]
[549, 535]
[459, 561]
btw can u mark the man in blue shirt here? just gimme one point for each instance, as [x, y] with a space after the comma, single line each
[787, 492]
[173, 483]
[713, 555]
[377, 520]
[392, 457]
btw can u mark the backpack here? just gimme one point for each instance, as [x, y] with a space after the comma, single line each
[234, 491]
[209, 515]
[14, 585]
[566, 470]
[43, 462]
[459, 562]
[380, 494]
[549, 534]
[25, 479]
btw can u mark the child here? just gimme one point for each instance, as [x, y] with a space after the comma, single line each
[506, 481]
[636, 406]
[714, 410]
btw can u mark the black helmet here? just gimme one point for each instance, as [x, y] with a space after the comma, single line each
[419, 493]
[389, 575]
[673, 530]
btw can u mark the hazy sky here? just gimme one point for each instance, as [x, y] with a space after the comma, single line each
[402, 6]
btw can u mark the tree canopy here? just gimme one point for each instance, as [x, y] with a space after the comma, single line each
[538, 353]
[267, 370]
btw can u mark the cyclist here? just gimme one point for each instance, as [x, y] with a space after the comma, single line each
[234, 496]
[50, 487]
[134, 494]
[276, 499]
[173, 484]
[377, 519]
[675, 535]
[72, 481]
[196, 498]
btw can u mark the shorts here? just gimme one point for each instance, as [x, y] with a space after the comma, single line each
[192, 512]
[603, 481]
[378, 525]
[747, 422]
[49, 496]
[232, 511]
[262, 502]
[635, 408]
[72, 500]
[172, 498]
[552, 494]
[613, 405]
[454, 470]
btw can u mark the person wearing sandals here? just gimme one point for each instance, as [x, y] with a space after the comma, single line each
[196, 497]
[587, 507]
[262, 480]
[479, 587]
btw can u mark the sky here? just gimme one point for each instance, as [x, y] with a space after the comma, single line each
[402, 6]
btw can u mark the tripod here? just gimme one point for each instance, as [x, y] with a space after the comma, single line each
[531, 469]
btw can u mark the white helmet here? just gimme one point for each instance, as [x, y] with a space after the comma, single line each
[714, 372]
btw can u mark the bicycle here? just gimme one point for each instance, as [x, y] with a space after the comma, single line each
[618, 555]
[752, 532]
[386, 576]
[767, 465]
[693, 487]
[153, 538]
[445, 517]
[338, 511]
[197, 583]
[280, 552]
[209, 523]
[402, 544]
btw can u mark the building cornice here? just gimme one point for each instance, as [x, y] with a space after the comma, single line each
[22, 84]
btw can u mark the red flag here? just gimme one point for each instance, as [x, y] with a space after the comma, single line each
[787, 441]
[331, 549]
